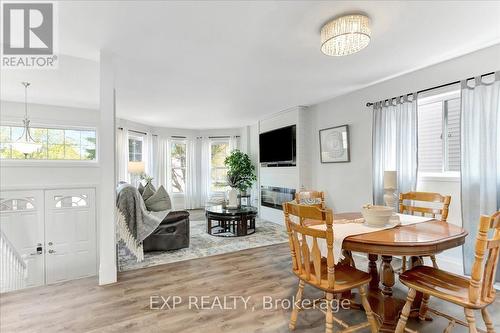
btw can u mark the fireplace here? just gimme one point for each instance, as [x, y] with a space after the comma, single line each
[274, 197]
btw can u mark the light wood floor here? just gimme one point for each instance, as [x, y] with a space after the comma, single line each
[82, 306]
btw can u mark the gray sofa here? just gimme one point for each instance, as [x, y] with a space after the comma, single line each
[171, 234]
[173, 231]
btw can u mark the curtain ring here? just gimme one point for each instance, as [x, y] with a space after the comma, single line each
[478, 81]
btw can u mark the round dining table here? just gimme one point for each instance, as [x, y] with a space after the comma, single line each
[414, 241]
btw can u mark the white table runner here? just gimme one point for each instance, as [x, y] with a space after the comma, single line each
[343, 229]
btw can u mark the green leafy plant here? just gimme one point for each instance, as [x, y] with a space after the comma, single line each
[144, 176]
[241, 171]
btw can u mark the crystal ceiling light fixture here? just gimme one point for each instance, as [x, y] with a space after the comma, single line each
[345, 35]
[25, 143]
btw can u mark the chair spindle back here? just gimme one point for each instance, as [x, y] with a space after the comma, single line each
[483, 272]
[312, 196]
[307, 260]
[430, 197]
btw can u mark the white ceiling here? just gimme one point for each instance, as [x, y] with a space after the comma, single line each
[229, 63]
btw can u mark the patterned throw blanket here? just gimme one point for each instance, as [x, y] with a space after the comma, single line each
[134, 222]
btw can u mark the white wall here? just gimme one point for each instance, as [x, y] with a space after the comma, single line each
[295, 177]
[22, 174]
[349, 185]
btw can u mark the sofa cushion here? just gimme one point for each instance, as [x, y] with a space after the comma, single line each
[149, 190]
[159, 201]
[175, 216]
[140, 188]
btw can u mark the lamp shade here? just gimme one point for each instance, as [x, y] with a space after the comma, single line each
[136, 168]
[390, 179]
[345, 35]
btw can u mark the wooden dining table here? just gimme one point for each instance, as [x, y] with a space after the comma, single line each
[414, 241]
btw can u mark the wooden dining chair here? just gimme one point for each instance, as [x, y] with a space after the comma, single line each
[311, 198]
[472, 294]
[319, 272]
[409, 204]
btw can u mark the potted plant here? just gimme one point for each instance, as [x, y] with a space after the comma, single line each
[240, 175]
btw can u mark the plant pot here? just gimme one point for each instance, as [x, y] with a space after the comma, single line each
[232, 196]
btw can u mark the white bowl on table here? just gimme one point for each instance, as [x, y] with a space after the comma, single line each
[377, 216]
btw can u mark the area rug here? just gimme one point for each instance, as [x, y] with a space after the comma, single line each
[204, 245]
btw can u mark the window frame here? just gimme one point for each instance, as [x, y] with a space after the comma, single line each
[170, 168]
[212, 142]
[53, 162]
[443, 98]
[136, 136]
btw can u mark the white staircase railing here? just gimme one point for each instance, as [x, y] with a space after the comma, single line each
[13, 270]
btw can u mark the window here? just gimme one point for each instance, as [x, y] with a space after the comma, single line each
[135, 145]
[178, 166]
[56, 143]
[219, 150]
[439, 133]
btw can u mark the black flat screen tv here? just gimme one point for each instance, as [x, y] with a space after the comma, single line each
[278, 147]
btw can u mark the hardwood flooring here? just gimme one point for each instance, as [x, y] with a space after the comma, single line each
[83, 306]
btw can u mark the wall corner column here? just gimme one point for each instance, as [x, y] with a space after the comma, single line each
[107, 128]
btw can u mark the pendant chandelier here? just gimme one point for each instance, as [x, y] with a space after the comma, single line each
[25, 143]
[345, 35]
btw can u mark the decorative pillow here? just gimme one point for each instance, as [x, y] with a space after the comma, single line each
[140, 188]
[310, 201]
[159, 201]
[149, 190]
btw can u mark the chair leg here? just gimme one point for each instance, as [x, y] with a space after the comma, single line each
[434, 263]
[368, 310]
[403, 267]
[329, 313]
[423, 307]
[295, 311]
[487, 321]
[406, 311]
[471, 320]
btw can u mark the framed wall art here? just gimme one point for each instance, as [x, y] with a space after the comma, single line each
[334, 144]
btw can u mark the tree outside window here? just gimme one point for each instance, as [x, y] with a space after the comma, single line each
[56, 143]
[219, 150]
[178, 166]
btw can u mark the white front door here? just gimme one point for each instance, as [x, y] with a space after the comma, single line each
[21, 221]
[70, 234]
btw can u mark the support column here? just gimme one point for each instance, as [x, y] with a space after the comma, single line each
[106, 139]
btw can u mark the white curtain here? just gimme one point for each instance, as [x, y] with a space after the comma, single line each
[394, 144]
[204, 192]
[192, 197]
[234, 143]
[160, 148]
[122, 155]
[480, 149]
[148, 147]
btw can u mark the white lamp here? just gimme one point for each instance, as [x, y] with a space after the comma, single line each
[390, 186]
[136, 167]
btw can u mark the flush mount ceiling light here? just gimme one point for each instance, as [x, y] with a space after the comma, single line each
[345, 35]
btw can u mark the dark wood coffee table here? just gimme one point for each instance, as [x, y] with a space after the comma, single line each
[227, 222]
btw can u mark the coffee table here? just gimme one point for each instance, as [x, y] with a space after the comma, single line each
[228, 222]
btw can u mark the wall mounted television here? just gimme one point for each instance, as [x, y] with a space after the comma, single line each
[278, 147]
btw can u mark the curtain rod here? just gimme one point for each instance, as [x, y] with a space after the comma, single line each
[222, 137]
[436, 87]
[138, 132]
